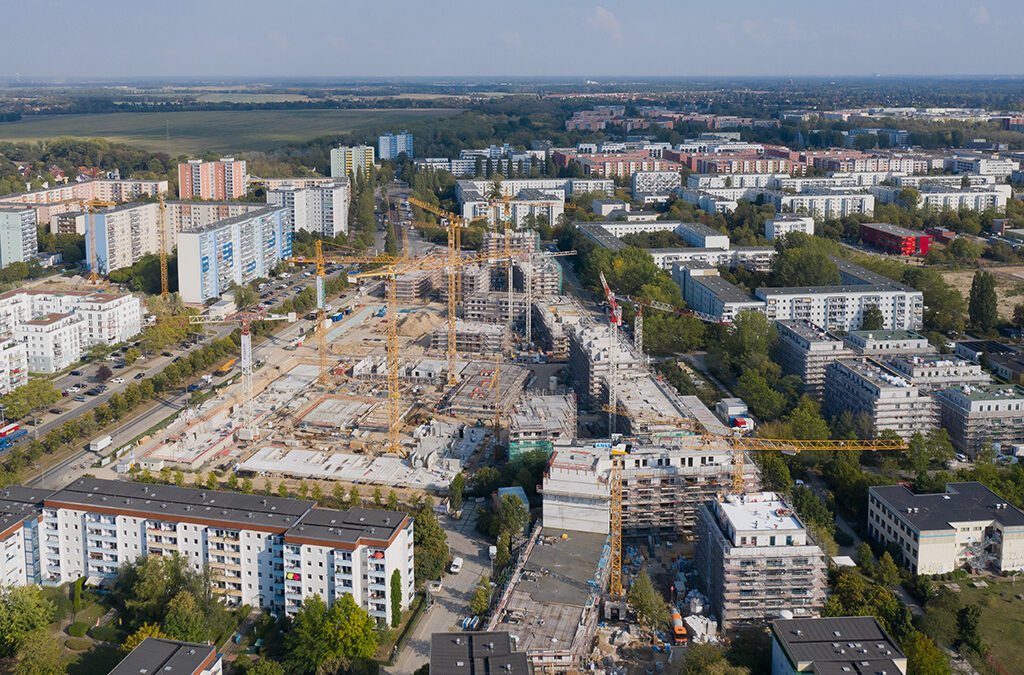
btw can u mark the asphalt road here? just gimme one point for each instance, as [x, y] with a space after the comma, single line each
[451, 604]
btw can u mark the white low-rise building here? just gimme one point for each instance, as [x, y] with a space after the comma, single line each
[262, 551]
[823, 203]
[784, 223]
[53, 341]
[13, 365]
[940, 197]
[655, 182]
[966, 526]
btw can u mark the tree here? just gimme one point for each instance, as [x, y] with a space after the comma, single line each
[355, 631]
[924, 657]
[513, 517]
[648, 604]
[455, 491]
[887, 573]
[1018, 315]
[865, 558]
[378, 497]
[481, 600]
[232, 481]
[282, 489]
[184, 621]
[247, 485]
[354, 499]
[132, 355]
[709, 659]
[104, 373]
[22, 611]
[266, 667]
[396, 598]
[309, 641]
[872, 318]
[37, 393]
[431, 544]
[339, 494]
[502, 557]
[392, 501]
[40, 655]
[968, 623]
[982, 306]
[135, 639]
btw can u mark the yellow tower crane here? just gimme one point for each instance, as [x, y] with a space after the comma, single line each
[739, 445]
[92, 206]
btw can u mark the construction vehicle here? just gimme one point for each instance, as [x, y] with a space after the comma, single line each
[226, 368]
[246, 422]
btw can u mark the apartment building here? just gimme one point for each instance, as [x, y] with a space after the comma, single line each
[981, 164]
[19, 535]
[237, 249]
[784, 223]
[223, 179]
[966, 526]
[470, 336]
[754, 558]
[538, 422]
[934, 372]
[544, 274]
[655, 182]
[123, 234]
[753, 258]
[885, 343]
[18, 238]
[52, 341]
[982, 413]
[474, 278]
[591, 351]
[938, 197]
[13, 365]
[706, 292]
[107, 318]
[806, 351]
[163, 655]
[843, 307]
[351, 161]
[510, 187]
[263, 551]
[390, 146]
[845, 644]
[526, 209]
[321, 208]
[69, 197]
[493, 307]
[194, 215]
[894, 239]
[870, 386]
[822, 202]
[554, 319]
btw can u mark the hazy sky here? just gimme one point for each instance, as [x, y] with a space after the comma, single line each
[114, 38]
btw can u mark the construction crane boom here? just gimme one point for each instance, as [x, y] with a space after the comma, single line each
[638, 303]
[614, 321]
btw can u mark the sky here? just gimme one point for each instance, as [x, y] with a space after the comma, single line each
[535, 38]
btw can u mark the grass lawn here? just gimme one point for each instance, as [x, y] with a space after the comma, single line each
[91, 613]
[1002, 619]
[216, 130]
[96, 660]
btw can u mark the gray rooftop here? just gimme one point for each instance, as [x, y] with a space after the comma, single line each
[849, 644]
[602, 236]
[350, 526]
[826, 290]
[18, 504]
[479, 653]
[240, 218]
[166, 657]
[896, 230]
[723, 290]
[970, 501]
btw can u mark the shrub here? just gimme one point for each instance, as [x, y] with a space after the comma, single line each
[78, 644]
[77, 598]
[78, 629]
[843, 539]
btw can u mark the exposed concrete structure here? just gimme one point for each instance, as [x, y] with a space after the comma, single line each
[974, 415]
[475, 397]
[554, 319]
[541, 421]
[470, 336]
[865, 385]
[754, 558]
[492, 307]
[589, 362]
[806, 351]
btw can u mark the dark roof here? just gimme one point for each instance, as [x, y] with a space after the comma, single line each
[959, 503]
[601, 236]
[159, 656]
[848, 644]
[172, 503]
[896, 230]
[348, 527]
[18, 504]
[482, 653]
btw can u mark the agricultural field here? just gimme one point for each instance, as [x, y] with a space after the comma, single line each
[196, 131]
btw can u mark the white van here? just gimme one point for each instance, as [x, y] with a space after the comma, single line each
[456, 566]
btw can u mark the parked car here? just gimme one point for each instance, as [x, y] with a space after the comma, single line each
[76, 373]
[118, 380]
[166, 354]
[456, 566]
[138, 376]
[56, 411]
[79, 398]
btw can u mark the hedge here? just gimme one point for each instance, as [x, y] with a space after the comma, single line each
[78, 644]
[78, 629]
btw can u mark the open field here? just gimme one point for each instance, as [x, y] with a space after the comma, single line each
[1009, 286]
[217, 130]
[1001, 619]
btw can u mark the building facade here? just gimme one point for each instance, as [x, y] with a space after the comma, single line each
[18, 238]
[321, 208]
[390, 146]
[223, 179]
[350, 162]
[784, 223]
[238, 249]
[869, 386]
[267, 552]
[123, 235]
[978, 414]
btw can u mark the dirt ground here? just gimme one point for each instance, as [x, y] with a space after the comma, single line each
[1009, 286]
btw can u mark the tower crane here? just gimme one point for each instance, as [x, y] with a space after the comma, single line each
[638, 322]
[92, 206]
[244, 319]
[614, 322]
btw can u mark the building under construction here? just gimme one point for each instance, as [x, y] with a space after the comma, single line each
[590, 352]
[492, 307]
[545, 276]
[417, 284]
[470, 336]
[554, 319]
[538, 422]
[520, 241]
[474, 396]
[755, 559]
[662, 486]
[473, 278]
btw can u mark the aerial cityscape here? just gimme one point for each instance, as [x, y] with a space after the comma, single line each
[499, 354]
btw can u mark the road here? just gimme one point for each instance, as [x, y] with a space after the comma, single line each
[451, 603]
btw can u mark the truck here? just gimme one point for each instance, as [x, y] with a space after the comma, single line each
[97, 444]
[223, 370]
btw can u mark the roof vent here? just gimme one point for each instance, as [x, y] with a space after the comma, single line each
[263, 501]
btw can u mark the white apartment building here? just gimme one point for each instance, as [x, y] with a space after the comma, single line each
[865, 385]
[655, 182]
[103, 189]
[53, 341]
[123, 235]
[939, 197]
[966, 526]
[263, 551]
[754, 258]
[987, 166]
[390, 146]
[109, 318]
[755, 559]
[20, 508]
[976, 414]
[350, 161]
[718, 181]
[321, 208]
[238, 249]
[843, 307]
[952, 182]
[706, 292]
[528, 204]
[17, 234]
[784, 223]
[13, 365]
[835, 179]
[822, 203]
[510, 187]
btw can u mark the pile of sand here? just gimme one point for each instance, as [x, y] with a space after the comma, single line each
[419, 323]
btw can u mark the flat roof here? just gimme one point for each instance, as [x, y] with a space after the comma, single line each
[723, 290]
[896, 230]
[18, 504]
[807, 330]
[961, 502]
[759, 511]
[853, 289]
[847, 644]
[990, 392]
[476, 653]
[349, 526]
[230, 220]
[172, 657]
[894, 334]
[602, 236]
